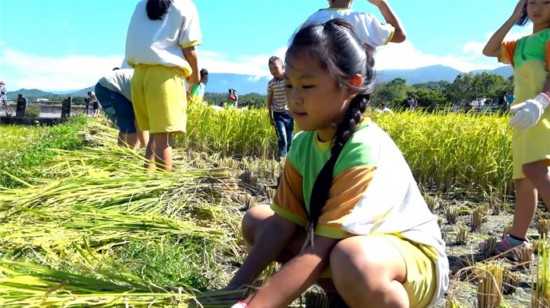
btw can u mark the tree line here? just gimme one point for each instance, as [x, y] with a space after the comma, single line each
[464, 89]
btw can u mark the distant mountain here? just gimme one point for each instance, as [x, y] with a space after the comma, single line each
[504, 71]
[33, 94]
[419, 75]
[220, 83]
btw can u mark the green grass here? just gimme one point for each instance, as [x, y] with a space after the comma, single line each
[25, 148]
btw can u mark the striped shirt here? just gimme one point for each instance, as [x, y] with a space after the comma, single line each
[277, 87]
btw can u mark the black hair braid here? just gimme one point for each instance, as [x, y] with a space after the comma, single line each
[323, 182]
[156, 9]
[524, 18]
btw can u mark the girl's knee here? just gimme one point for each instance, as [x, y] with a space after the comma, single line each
[367, 258]
[253, 220]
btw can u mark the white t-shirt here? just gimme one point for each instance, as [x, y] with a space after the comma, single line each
[161, 41]
[369, 30]
[119, 81]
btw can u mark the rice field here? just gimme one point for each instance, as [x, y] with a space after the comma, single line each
[83, 224]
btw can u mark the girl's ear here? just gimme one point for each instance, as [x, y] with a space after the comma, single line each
[356, 81]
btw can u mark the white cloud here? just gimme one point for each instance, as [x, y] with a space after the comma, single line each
[22, 70]
[407, 56]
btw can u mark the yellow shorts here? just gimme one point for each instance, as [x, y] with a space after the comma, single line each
[421, 280]
[159, 99]
[531, 145]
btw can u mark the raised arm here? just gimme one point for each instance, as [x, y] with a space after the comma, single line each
[492, 48]
[400, 35]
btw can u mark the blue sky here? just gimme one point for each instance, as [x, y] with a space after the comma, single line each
[69, 44]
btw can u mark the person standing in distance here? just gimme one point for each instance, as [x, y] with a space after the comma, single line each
[279, 115]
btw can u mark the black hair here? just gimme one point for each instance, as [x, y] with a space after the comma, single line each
[156, 9]
[340, 53]
[204, 74]
[524, 18]
[274, 59]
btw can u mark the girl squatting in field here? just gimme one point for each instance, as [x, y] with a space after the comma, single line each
[347, 201]
[529, 56]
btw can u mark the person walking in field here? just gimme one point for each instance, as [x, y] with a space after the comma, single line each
[160, 46]
[531, 118]
[277, 107]
[367, 27]
[92, 100]
[114, 94]
[4, 97]
[347, 201]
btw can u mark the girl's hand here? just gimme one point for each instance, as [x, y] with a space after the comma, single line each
[518, 10]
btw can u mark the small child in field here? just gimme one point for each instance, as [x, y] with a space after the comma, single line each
[369, 30]
[531, 118]
[197, 90]
[279, 115]
[347, 200]
[160, 46]
[4, 96]
[92, 100]
[114, 94]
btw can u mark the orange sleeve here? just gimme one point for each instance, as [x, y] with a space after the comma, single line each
[289, 199]
[547, 56]
[507, 50]
[347, 189]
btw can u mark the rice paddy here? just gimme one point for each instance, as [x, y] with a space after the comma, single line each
[83, 224]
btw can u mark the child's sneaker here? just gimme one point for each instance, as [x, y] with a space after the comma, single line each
[508, 247]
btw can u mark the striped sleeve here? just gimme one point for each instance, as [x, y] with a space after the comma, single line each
[347, 189]
[507, 50]
[289, 200]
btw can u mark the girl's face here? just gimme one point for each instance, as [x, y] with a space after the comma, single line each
[313, 96]
[539, 13]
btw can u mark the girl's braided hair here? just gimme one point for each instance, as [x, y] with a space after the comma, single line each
[156, 9]
[340, 53]
[524, 18]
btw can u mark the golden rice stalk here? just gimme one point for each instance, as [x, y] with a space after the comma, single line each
[541, 288]
[489, 288]
[544, 227]
[478, 214]
[461, 234]
[510, 282]
[451, 213]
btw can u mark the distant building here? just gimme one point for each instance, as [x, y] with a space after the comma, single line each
[42, 100]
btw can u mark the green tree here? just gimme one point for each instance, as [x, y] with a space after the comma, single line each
[460, 91]
[392, 93]
[426, 96]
